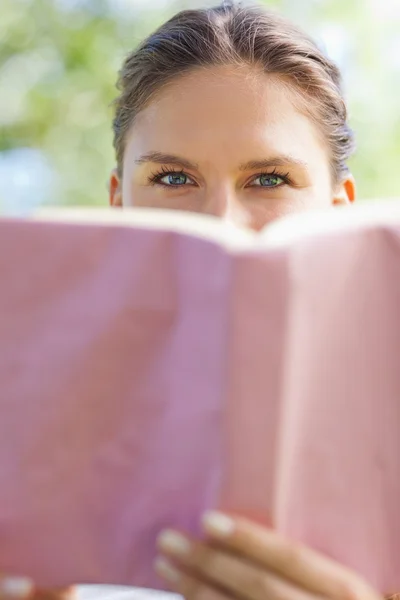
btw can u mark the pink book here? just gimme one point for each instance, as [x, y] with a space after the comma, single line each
[154, 365]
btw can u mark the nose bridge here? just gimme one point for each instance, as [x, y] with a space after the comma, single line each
[220, 201]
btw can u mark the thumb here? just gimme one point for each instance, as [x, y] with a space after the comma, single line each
[15, 588]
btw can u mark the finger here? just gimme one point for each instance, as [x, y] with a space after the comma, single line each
[296, 562]
[186, 585]
[232, 574]
[66, 593]
[15, 588]
[23, 588]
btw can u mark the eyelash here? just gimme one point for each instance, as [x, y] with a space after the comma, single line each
[275, 173]
[155, 177]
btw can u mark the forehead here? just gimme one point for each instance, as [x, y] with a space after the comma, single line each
[229, 112]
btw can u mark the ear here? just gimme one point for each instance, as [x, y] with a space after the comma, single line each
[115, 189]
[346, 191]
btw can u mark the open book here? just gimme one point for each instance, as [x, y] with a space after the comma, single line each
[154, 365]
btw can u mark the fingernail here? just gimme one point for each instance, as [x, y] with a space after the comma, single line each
[15, 587]
[163, 567]
[218, 525]
[173, 542]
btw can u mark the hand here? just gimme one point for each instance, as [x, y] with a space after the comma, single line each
[22, 588]
[244, 561]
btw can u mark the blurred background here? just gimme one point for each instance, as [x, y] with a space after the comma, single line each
[58, 67]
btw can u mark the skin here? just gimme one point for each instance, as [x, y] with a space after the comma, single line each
[227, 158]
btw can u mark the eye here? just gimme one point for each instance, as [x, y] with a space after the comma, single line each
[174, 179]
[271, 180]
[171, 178]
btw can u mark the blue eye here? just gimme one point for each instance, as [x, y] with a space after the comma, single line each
[174, 179]
[269, 181]
[169, 178]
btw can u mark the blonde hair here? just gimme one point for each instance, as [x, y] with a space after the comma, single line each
[232, 34]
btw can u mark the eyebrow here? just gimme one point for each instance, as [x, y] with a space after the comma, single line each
[282, 160]
[169, 159]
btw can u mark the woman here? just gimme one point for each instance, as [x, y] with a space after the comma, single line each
[233, 112]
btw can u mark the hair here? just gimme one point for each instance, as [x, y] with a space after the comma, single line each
[240, 35]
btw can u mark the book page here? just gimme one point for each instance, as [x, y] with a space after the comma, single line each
[361, 214]
[205, 227]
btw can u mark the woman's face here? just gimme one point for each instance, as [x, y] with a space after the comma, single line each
[227, 142]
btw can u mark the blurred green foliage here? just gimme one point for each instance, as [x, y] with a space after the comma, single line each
[59, 61]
